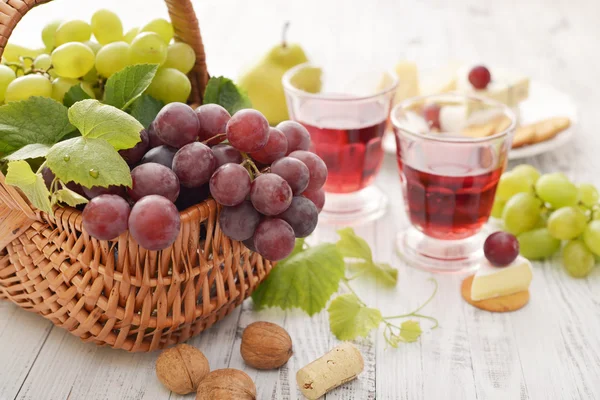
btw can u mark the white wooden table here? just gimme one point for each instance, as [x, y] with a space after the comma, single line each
[549, 350]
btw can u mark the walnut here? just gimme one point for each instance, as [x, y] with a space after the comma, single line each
[226, 384]
[266, 345]
[181, 368]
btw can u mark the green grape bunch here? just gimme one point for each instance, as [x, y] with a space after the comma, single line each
[82, 54]
[549, 213]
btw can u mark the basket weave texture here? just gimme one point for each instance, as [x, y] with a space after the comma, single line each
[115, 292]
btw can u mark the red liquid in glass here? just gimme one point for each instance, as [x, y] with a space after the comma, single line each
[353, 155]
[449, 207]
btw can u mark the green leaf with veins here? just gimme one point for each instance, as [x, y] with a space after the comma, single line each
[69, 197]
[145, 109]
[100, 121]
[37, 120]
[306, 279]
[125, 86]
[410, 331]
[89, 162]
[224, 92]
[32, 185]
[350, 318]
[75, 94]
[354, 247]
[30, 151]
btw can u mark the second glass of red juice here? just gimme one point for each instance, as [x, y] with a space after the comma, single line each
[451, 151]
[346, 113]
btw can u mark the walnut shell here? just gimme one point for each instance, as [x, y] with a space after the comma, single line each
[266, 345]
[226, 384]
[181, 368]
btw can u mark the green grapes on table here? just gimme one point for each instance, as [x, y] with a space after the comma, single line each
[43, 62]
[170, 85]
[161, 27]
[72, 31]
[73, 60]
[112, 58]
[7, 75]
[107, 27]
[148, 48]
[180, 56]
[26, 86]
[545, 211]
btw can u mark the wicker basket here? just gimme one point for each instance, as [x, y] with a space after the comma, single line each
[115, 292]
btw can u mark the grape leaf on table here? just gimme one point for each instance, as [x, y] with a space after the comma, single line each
[224, 92]
[20, 175]
[145, 109]
[97, 120]
[125, 86]
[350, 318]
[75, 94]
[29, 151]
[353, 246]
[410, 331]
[37, 120]
[306, 279]
[88, 161]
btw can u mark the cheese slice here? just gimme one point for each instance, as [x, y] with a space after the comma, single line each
[506, 86]
[490, 281]
[408, 81]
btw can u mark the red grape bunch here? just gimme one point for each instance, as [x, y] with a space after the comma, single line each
[268, 184]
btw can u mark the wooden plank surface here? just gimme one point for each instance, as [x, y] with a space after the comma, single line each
[549, 350]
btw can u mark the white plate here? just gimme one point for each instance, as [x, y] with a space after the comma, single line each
[544, 101]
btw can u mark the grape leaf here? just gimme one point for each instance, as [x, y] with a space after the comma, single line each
[97, 120]
[29, 151]
[354, 247]
[69, 197]
[224, 92]
[32, 185]
[349, 318]
[410, 331]
[123, 87]
[145, 108]
[35, 120]
[75, 94]
[306, 279]
[89, 162]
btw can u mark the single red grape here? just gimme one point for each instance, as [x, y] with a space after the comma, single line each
[501, 248]
[317, 197]
[106, 217]
[230, 184]
[248, 130]
[191, 196]
[153, 137]
[296, 134]
[275, 148]
[213, 120]
[316, 166]
[270, 194]
[194, 164]
[294, 171]
[302, 215]
[162, 154]
[133, 155]
[153, 178]
[239, 222]
[177, 125]
[225, 154]
[274, 239]
[480, 77]
[154, 222]
[431, 113]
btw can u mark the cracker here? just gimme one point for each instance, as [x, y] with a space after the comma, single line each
[549, 128]
[503, 124]
[512, 302]
[480, 130]
[524, 135]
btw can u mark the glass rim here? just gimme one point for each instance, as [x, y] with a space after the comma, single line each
[507, 111]
[288, 87]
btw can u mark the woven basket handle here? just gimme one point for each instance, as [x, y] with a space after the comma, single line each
[186, 29]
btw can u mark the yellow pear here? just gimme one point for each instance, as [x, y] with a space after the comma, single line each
[263, 84]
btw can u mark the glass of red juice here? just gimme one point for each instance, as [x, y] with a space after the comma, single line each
[346, 114]
[451, 150]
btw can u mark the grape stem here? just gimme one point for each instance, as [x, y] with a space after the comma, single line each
[248, 162]
[286, 26]
[219, 136]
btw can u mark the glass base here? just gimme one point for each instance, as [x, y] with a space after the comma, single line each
[440, 256]
[355, 208]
